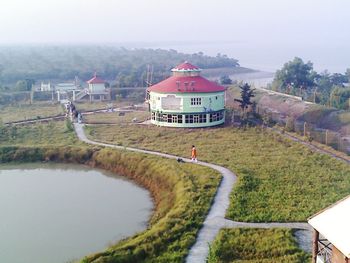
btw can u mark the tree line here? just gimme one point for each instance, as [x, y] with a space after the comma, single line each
[21, 65]
[299, 78]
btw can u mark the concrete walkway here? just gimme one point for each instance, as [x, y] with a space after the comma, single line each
[215, 219]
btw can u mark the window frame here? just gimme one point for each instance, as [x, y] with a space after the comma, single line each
[196, 101]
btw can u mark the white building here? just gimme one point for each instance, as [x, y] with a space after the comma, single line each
[331, 242]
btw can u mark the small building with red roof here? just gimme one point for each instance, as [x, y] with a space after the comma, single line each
[96, 84]
[186, 99]
[96, 90]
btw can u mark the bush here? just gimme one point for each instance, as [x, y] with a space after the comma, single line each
[289, 124]
[256, 245]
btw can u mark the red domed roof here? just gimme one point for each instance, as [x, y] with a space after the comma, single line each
[186, 84]
[186, 67]
[95, 80]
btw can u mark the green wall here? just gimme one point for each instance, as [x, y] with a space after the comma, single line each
[180, 104]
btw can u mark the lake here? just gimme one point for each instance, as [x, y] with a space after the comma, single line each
[58, 212]
[266, 55]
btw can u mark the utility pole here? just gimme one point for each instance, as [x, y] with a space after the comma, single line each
[326, 137]
[305, 128]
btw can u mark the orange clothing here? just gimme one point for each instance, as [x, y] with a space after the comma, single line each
[194, 153]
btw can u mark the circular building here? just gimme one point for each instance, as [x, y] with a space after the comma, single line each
[186, 100]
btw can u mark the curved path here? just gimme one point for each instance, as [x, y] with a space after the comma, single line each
[215, 219]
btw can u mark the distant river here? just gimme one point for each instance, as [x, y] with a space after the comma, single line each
[331, 55]
[57, 212]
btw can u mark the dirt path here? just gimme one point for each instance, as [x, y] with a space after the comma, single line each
[215, 219]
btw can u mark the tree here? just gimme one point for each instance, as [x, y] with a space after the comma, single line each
[246, 94]
[339, 98]
[324, 88]
[225, 80]
[21, 85]
[24, 85]
[295, 77]
[347, 73]
[326, 83]
[339, 79]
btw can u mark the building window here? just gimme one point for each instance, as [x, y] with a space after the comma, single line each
[216, 116]
[174, 118]
[203, 118]
[168, 118]
[196, 101]
[195, 118]
[189, 118]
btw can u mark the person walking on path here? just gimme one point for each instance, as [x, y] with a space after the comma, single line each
[194, 154]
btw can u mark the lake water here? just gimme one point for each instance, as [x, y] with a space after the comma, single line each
[270, 56]
[265, 56]
[57, 212]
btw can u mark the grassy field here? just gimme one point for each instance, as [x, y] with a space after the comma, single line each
[98, 105]
[29, 111]
[116, 117]
[51, 133]
[182, 194]
[279, 180]
[87, 106]
[243, 245]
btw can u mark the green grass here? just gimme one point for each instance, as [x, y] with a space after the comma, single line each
[246, 245]
[344, 117]
[29, 111]
[87, 106]
[185, 192]
[98, 105]
[182, 194]
[279, 180]
[51, 133]
[116, 117]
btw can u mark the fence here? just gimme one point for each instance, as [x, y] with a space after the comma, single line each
[336, 140]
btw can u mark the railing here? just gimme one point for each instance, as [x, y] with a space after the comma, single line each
[324, 254]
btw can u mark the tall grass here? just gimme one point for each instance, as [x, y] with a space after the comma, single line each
[279, 180]
[182, 194]
[116, 117]
[51, 133]
[246, 245]
[24, 111]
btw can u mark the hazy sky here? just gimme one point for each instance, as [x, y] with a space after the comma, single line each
[110, 21]
[262, 34]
